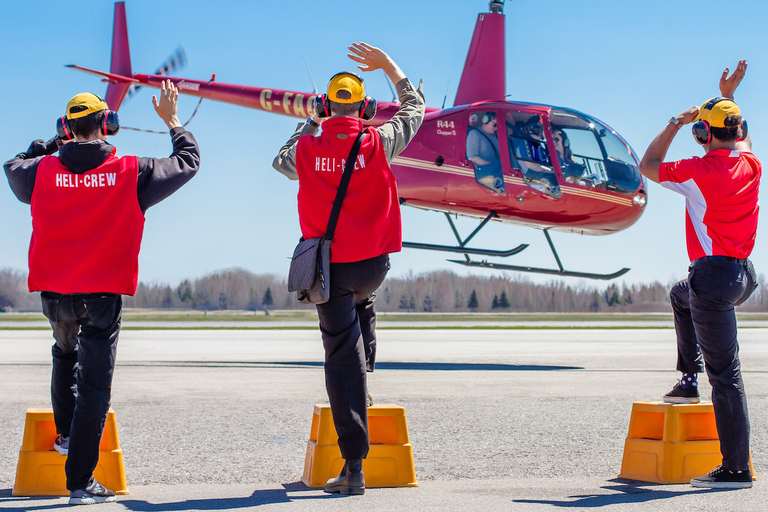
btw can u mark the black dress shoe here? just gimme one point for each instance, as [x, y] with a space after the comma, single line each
[351, 479]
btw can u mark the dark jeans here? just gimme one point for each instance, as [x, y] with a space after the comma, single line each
[347, 325]
[705, 323]
[85, 328]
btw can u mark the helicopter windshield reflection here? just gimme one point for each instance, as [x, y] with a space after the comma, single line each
[592, 155]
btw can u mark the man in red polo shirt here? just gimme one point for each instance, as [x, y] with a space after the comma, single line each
[721, 192]
[368, 230]
[87, 208]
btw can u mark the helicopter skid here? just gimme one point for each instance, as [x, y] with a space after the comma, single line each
[537, 270]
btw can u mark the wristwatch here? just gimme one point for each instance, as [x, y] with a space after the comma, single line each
[312, 122]
[676, 122]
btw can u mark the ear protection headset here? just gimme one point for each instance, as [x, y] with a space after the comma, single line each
[487, 117]
[367, 107]
[701, 129]
[563, 136]
[110, 125]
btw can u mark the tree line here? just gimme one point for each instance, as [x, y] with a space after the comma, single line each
[439, 291]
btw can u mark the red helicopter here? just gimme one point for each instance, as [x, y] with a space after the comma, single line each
[547, 167]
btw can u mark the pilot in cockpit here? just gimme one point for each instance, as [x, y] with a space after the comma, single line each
[572, 170]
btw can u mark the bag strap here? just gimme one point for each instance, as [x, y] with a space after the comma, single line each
[342, 190]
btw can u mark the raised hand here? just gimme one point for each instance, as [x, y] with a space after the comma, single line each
[371, 58]
[166, 108]
[728, 84]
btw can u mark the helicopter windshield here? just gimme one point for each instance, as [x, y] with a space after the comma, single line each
[591, 154]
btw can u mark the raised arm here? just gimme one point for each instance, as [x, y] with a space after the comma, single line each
[398, 132]
[161, 177]
[657, 150]
[728, 85]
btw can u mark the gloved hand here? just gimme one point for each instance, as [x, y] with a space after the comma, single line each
[41, 148]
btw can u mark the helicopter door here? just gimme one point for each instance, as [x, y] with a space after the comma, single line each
[483, 150]
[528, 152]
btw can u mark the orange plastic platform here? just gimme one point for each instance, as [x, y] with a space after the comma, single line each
[671, 443]
[390, 458]
[40, 471]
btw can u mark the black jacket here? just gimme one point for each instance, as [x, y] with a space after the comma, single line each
[158, 177]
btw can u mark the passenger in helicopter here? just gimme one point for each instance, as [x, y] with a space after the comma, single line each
[529, 141]
[483, 150]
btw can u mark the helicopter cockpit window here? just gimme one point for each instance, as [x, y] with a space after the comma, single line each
[528, 152]
[483, 150]
[592, 155]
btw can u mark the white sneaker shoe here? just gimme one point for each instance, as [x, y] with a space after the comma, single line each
[94, 493]
[61, 445]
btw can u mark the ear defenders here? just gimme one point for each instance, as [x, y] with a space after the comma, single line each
[701, 129]
[486, 118]
[367, 107]
[110, 124]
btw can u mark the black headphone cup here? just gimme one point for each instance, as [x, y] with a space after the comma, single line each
[744, 130]
[62, 129]
[701, 133]
[368, 108]
[111, 123]
[321, 106]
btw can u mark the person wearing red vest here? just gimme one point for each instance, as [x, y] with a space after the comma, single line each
[721, 191]
[368, 230]
[88, 209]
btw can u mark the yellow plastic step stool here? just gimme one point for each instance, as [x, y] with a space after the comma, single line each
[40, 471]
[390, 458]
[671, 443]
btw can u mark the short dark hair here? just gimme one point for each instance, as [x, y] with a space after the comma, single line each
[345, 109]
[731, 130]
[88, 126]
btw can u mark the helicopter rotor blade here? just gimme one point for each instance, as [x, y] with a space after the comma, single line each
[177, 60]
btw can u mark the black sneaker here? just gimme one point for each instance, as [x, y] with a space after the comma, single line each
[721, 478]
[94, 493]
[678, 395]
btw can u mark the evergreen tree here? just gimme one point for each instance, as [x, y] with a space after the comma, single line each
[504, 300]
[473, 303]
[495, 303]
[267, 300]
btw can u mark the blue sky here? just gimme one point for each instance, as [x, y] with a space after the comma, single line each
[630, 64]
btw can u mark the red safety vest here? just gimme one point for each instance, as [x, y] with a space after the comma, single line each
[369, 223]
[86, 228]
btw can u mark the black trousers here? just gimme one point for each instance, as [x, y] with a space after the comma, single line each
[348, 328]
[705, 324]
[85, 328]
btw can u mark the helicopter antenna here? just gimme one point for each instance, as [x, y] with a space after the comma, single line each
[496, 6]
[310, 74]
[394, 96]
[446, 93]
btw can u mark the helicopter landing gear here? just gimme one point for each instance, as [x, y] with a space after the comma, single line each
[461, 248]
[462, 243]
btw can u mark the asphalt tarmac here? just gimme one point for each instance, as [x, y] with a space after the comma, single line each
[498, 419]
